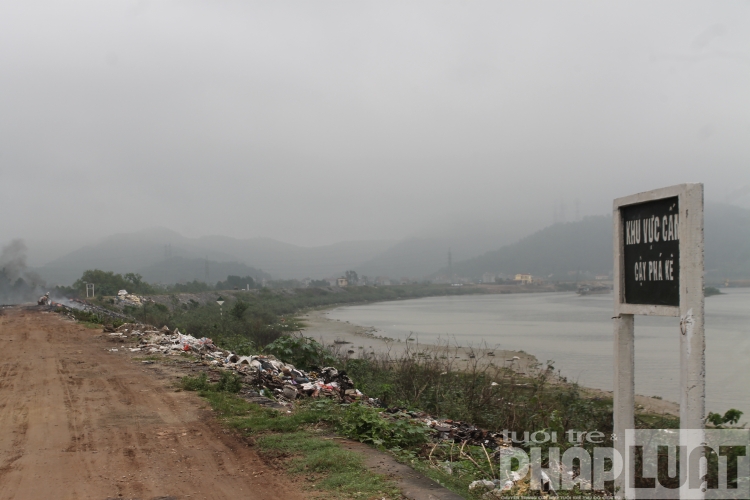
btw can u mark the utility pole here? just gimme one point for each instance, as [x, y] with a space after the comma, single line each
[220, 301]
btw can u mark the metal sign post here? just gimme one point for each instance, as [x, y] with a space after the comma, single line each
[658, 256]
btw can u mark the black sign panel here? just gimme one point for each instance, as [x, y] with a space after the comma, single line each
[651, 244]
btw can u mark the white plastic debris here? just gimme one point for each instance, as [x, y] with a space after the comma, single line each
[482, 484]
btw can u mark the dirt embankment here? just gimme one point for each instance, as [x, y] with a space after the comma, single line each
[79, 422]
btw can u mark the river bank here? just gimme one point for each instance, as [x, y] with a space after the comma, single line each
[358, 340]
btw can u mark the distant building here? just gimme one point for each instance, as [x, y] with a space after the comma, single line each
[488, 278]
[342, 282]
[601, 277]
[524, 279]
[382, 281]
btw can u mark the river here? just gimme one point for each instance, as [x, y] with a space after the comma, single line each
[576, 333]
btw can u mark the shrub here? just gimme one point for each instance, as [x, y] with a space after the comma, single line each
[229, 382]
[302, 352]
[368, 426]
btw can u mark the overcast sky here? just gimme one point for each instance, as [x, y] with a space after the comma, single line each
[315, 122]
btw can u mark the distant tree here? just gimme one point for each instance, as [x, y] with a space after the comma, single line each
[191, 287]
[235, 282]
[239, 308]
[351, 277]
[105, 282]
[318, 283]
[109, 283]
[135, 279]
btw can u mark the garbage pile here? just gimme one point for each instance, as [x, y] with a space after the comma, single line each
[287, 383]
[494, 488]
[68, 305]
[283, 380]
[129, 299]
[451, 430]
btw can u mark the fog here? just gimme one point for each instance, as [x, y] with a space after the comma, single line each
[319, 122]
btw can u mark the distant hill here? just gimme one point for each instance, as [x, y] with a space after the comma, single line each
[727, 242]
[563, 250]
[184, 269]
[145, 251]
[165, 256]
[419, 256]
[555, 250]
[286, 261]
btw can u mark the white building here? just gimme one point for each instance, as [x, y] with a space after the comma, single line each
[525, 279]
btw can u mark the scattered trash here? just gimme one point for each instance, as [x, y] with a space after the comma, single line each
[284, 383]
[482, 484]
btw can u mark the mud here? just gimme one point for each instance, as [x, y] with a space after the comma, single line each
[79, 422]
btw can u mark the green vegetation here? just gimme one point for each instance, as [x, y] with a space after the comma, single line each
[194, 286]
[236, 282]
[252, 320]
[300, 443]
[302, 352]
[243, 330]
[712, 290]
[730, 418]
[228, 382]
[288, 302]
[487, 395]
[479, 391]
[107, 283]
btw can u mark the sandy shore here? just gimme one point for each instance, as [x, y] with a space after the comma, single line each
[356, 340]
[362, 339]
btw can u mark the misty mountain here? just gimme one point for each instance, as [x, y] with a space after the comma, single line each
[147, 251]
[184, 269]
[465, 236]
[563, 250]
[287, 261]
[558, 249]
[727, 241]
[419, 257]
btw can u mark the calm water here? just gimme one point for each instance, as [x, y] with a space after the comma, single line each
[576, 332]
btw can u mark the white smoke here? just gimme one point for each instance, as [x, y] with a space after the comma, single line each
[17, 282]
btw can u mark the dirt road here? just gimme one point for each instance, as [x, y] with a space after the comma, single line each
[79, 422]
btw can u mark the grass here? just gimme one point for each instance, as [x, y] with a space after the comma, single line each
[326, 464]
[150, 357]
[478, 391]
[297, 441]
